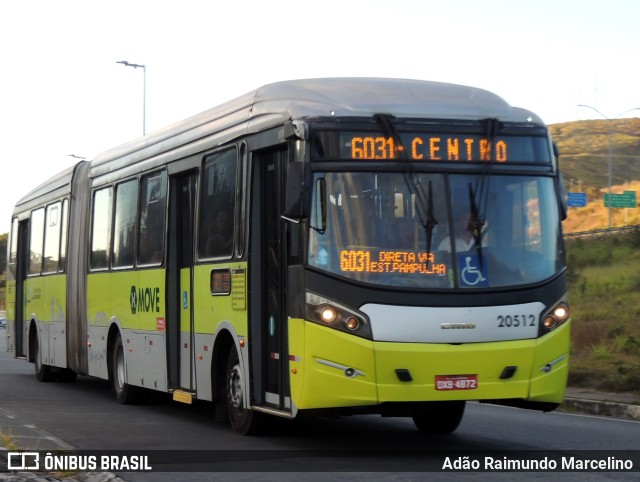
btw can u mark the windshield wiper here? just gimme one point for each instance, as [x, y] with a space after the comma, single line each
[431, 223]
[479, 196]
[424, 202]
[476, 224]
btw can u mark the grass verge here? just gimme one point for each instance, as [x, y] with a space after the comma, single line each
[604, 295]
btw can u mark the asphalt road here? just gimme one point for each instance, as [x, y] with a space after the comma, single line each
[85, 416]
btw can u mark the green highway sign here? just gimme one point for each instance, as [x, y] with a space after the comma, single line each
[625, 200]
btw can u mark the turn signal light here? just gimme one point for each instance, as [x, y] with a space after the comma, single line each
[352, 323]
[549, 322]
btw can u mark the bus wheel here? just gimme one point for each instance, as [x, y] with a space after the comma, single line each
[125, 393]
[243, 420]
[44, 373]
[67, 375]
[440, 417]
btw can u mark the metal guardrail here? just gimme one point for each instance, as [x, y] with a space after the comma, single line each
[596, 233]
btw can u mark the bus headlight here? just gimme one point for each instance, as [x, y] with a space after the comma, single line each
[557, 316]
[335, 315]
[327, 313]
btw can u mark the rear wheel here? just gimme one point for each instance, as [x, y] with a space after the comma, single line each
[243, 420]
[440, 417]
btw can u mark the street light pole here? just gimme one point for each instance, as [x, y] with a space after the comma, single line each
[144, 91]
[610, 154]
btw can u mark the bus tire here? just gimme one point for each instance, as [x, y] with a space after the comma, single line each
[440, 417]
[66, 375]
[125, 393]
[44, 373]
[243, 420]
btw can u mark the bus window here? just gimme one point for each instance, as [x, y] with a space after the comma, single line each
[35, 241]
[125, 221]
[13, 252]
[52, 238]
[63, 238]
[217, 206]
[153, 202]
[101, 233]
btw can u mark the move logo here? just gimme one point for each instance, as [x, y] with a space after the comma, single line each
[144, 299]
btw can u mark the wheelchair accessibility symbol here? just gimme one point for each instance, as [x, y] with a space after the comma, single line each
[470, 272]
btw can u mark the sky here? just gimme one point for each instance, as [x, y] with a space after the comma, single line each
[63, 93]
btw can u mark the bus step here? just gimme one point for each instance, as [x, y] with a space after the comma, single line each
[183, 396]
[273, 411]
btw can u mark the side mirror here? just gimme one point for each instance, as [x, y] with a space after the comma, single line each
[562, 194]
[319, 210]
[294, 194]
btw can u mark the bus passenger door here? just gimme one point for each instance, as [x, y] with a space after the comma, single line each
[268, 267]
[180, 314]
[21, 230]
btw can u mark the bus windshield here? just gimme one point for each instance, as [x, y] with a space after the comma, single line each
[435, 230]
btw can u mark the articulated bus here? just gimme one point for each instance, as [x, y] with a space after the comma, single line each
[315, 247]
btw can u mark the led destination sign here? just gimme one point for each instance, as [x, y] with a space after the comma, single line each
[392, 262]
[432, 147]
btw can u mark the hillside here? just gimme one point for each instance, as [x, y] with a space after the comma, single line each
[596, 216]
[584, 150]
[584, 160]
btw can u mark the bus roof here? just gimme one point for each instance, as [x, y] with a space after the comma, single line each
[55, 187]
[276, 103]
[368, 96]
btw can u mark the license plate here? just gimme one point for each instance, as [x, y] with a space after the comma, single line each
[456, 382]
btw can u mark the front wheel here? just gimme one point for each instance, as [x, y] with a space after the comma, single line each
[440, 417]
[44, 373]
[66, 375]
[243, 420]
[125, 393]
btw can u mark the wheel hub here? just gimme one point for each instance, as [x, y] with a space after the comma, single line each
[235, 388]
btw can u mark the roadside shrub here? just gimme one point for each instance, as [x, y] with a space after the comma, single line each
[631, 346]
